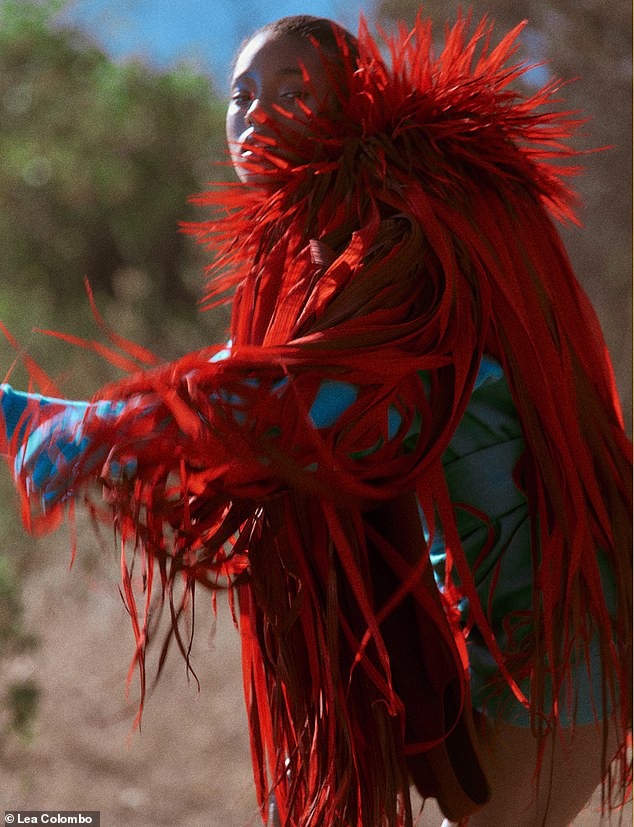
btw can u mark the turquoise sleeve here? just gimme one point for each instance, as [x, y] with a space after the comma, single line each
[48, 451]
[17, 405]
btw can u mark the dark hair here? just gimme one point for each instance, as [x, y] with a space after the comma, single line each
[326, 33]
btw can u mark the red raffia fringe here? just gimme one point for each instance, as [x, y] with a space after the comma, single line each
[412, 232]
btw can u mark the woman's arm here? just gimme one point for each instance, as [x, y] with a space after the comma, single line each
[45, 438]
[57, 442]
[247, 427]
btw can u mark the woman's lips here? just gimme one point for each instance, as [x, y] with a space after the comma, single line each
[250, 141]
[255, 148]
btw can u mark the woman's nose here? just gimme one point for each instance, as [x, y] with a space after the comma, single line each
[256, 113]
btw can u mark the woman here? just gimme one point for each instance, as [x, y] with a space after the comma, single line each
[414, 375]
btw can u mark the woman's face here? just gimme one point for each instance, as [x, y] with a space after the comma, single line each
[267, 78]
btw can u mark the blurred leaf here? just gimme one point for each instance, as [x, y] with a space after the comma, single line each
[23, 697]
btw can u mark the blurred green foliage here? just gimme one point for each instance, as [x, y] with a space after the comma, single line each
[22, 700]
[18, 690]
[97, 160]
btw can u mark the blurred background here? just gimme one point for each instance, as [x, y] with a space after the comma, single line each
[111, 115]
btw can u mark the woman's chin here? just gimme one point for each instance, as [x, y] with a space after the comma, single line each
[257, 175]
[259, 171]
[262, 180]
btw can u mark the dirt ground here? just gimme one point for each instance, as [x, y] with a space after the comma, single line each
[188, 767]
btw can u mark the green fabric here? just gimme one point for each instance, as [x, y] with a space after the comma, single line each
[479, 465]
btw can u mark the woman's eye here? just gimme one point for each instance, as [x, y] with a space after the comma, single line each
[240, 98]
[292, 94]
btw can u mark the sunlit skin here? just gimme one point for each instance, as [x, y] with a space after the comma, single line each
[267, 78]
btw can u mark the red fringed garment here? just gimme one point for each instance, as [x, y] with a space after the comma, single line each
[410, 234]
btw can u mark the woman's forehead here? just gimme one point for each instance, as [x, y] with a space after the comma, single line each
[273, 53]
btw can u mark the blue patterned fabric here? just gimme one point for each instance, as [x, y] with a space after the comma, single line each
[50, 450]
[15, 403]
